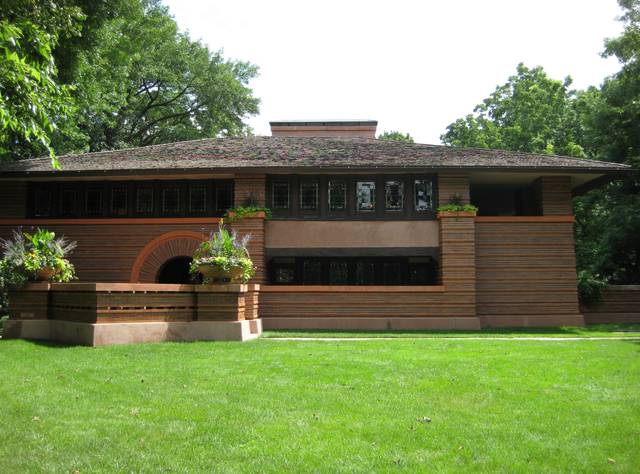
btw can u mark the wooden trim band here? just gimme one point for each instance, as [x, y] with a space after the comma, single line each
[529, 219]
[112, 221]
[351, 289]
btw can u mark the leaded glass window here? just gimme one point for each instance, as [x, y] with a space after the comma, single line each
[144, 200]
[308, 195]
[423, 194]
[337, 192]
[119, 201]
[197, 198]
[394, 195]
[280, 196]
[93, 205]
[366, 195]
[171, 200]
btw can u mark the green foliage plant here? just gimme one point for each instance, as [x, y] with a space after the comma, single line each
[26, 253]
[393, 135]
[242, 212]
[225, 250]
[590, 287]
[456, 204]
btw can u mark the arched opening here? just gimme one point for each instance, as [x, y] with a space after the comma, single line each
[175, 270]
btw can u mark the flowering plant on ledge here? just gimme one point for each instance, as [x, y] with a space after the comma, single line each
[223, 258]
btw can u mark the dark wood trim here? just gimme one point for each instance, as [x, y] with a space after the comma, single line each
[531, 219]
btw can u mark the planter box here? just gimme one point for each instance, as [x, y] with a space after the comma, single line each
[257, 215]
[457, 214]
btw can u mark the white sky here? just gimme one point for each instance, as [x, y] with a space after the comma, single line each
[415, 66]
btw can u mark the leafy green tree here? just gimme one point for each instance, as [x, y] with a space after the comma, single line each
[144, 83]
[396, 136]
[608, 220]
[32, 102]
[530, 112]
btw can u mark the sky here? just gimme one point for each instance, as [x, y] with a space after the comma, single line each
[415, 66]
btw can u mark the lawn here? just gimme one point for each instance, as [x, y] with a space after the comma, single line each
[322, 406]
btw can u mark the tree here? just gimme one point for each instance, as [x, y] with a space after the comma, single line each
[530, 112]
[31, 100]
[144, 82]
[396, 136]
[608, 220]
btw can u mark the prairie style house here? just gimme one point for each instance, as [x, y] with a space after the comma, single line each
[355, 239]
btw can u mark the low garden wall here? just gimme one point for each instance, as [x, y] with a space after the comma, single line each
[619, 304]
[108, 313]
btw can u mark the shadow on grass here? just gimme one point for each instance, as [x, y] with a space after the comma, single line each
[45, 343]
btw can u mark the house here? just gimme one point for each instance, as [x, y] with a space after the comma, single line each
[355, 240]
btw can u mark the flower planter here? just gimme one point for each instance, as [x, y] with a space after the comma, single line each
[254, 215]
[217, 274]
[46, 273]
[456, 214]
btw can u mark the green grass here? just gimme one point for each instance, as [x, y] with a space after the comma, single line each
[310, 406]
[596, 330]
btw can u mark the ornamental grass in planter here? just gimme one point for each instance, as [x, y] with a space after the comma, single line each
[40, 256]
[223, 258]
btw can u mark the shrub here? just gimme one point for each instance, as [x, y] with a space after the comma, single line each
[590, 287]
[223, 249]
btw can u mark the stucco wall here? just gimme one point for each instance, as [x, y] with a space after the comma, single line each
[356, 234]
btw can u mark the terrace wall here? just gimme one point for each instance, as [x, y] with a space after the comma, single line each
[620, 304]
[525, 270]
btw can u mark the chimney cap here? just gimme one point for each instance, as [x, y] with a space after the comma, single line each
[322, 122]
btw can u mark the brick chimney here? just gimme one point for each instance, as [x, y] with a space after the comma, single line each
[325, 128]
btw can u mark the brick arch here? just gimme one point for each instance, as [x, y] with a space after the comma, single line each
[179, 243]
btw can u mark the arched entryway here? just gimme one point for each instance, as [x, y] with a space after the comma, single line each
[161, 251]
[175, 270]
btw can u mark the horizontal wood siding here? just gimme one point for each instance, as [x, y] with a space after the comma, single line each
[107, 252]
[250, 187]
[620, 304]
[526, 274]
[554, 195]
[451, 185]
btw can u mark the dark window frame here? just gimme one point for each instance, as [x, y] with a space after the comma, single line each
[219, 192]
[380, 212]
[378, 276]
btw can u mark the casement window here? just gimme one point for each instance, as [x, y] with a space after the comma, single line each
[93, 201]
[197, 199]
[42, 202]
[312, 272]
[394, 195]
[283, 271]
[171, 200]
[338, 272]
[352, 271]
[224, 196]
[366, 196]
[280, 195]
[68, 202]
[119, 201]
[337, 194]
[365, 272]
[309, 195]
[130, 199]
[423, 195]
[144, 200]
